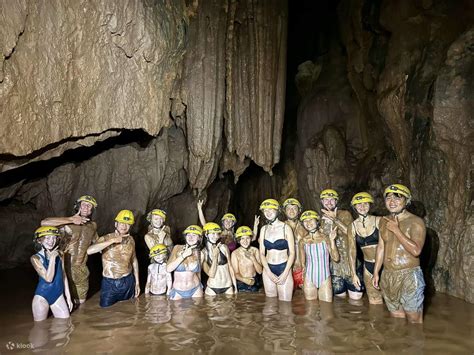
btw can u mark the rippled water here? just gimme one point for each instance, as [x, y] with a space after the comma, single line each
[243, 324]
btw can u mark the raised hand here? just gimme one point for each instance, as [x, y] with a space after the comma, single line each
[187, 251]
[329, 214]
[393, 225]
[78, 219]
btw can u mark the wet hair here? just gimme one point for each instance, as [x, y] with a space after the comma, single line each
[37, 244]
[397, 195]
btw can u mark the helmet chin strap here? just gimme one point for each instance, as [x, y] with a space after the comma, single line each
[395, 214]
[364, 216]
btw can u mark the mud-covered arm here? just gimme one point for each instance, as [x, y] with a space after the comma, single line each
[256, 261]
[414, 243]
[46, 274]
[302, 253]
[343, 221]
[61, 221]
[235, 267]
[102, 244]
[352, 248]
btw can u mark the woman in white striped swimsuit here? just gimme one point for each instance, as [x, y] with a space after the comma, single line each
[315, 249]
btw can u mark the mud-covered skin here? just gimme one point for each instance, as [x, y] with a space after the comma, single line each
[298, 233]
[74, 245]
[396, 257]
[246, 262]
[76, 240]
[342, 268]
[117, 258]
[159, 236]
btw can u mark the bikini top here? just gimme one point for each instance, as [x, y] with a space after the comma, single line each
[183, 267]
[222, 258]
[279, 244]
[370, 240]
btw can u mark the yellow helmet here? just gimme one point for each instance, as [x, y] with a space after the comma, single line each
[87, 198]
[242, 231]
[362, 197]
[156, 212]
[125, 216]
[212, 227]
[269, 203]
[398, 189]
[291, 201]
[193, 229]
[309, 214]
[46, 230]
[329, 193]
[158, 249]
[229, 216]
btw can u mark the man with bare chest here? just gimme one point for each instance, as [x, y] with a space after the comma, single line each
[119, 262]
[79, 233]
[402, 236]
[246, 262]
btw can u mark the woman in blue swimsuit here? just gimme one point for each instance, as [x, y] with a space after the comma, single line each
[277, 253]
[52, 286]
[185, 261]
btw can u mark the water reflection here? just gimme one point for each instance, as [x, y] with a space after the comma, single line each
[242, 324]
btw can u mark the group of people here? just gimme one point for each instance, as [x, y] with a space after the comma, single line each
[306, 250]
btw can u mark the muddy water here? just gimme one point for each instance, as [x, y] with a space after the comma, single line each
[244, 324]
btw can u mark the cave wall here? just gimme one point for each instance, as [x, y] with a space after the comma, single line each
[399, 111]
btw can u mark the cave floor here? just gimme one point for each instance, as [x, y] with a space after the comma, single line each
[245, 324]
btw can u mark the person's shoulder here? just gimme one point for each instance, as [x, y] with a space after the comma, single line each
[413, 218]
[344, 214]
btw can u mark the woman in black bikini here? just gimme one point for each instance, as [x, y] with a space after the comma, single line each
[277, 253]
[216, 263]
[364, 231]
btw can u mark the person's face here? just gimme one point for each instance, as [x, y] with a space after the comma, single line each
[270, 214]
[395, 203]
[48, 241]
[85, 209]
[362, 208]
[213, 237]
[292, 211]
[122, 228]
[245, 241]
[156, 221]
[192, 239]
[160, 258]
[227, 223]
[310, 224]
[329, 203]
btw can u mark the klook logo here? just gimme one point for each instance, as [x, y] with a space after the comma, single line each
[12, 346]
